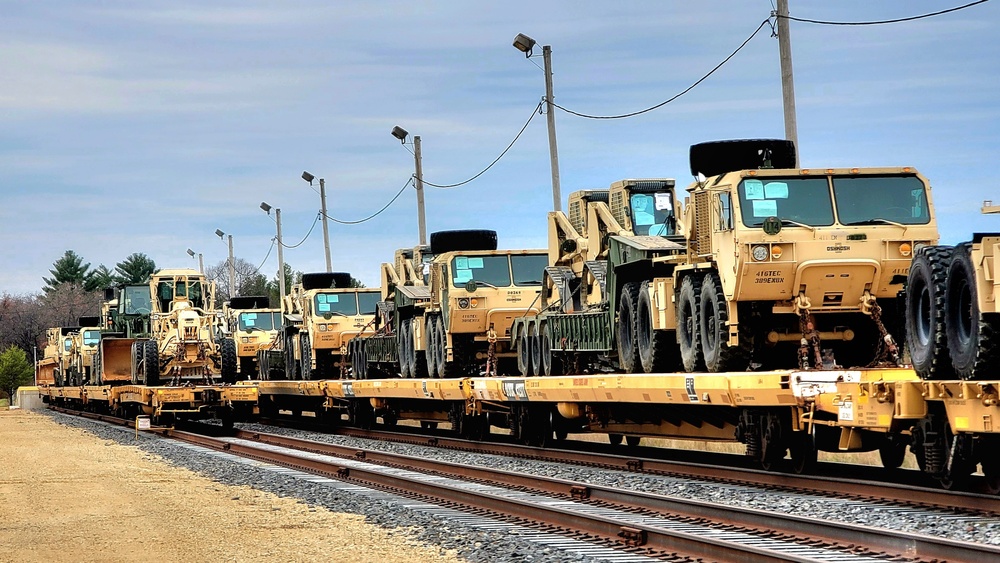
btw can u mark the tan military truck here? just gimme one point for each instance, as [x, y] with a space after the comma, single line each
[252, 326]
[321, 316]
[764, 265]
[952, 314]
[57, 358]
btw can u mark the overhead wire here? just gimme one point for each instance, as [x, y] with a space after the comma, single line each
[377, 213]
[685, 91]
[534, 111]
[298, 244]
[262, 262]
[880, 22]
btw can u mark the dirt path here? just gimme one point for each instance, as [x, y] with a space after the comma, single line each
[66, 495]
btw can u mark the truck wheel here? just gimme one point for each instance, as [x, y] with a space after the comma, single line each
[430, 330]
[228, 349]
[445, 368]
[403, 343]
[925, 319]
[657, 350]
[550, 365]
[714, 315]
[972, 336]
[524, 353]
[151, 363]
[537, 367]
[263, 365]
[628, 350]
[291, 366]
[688, 327]
[306, 347]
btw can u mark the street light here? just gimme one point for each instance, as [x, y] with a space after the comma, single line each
[281, 258]
[201, 260]
[525, 44]
[232, 263]
[326, 232]
[401, 134]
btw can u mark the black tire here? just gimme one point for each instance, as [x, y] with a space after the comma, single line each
[403, 343]
[688, 325]
[717, 157]
[892, 451]
[229, 361]
[418, 357]
[150, 363]
[95, 372]
[551, 365]
[537, 367]
[972, 336]
[446, 368]
[657, 348]
[925, 319]
[291, 366]
[714, 318]
[469, 239]
[326, 280]
[524, 353]
[628, 347]
[305, 345]
[430, 332]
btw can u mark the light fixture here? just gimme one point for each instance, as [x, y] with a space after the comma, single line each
[308, 177]
[190, 253]
[265, 207]
[219, 233]
[400, 133]
[524, 44]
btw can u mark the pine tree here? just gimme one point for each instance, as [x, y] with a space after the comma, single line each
[99, 279]
[68, 269]
[15, 370]
[135, 269]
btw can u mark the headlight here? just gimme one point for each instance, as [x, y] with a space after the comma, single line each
[759, 253]
[463, 303]
[322, 328]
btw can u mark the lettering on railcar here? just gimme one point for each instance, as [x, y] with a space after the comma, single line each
[689, 387]
[514, 389]
[348, 387]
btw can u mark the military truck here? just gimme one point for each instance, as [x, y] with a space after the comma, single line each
[456, 321]
[764, 265]
[952, 314]
[84, 362]
[320, 316]
[57, 358]
[251, 326]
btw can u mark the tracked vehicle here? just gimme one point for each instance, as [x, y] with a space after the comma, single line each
[765, 265]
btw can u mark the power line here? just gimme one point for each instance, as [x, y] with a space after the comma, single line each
[685, 91]
[377, 213]
[537, 109]
[897, 20]
[262, 262]
[298, 244]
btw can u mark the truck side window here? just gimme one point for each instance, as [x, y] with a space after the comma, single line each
[725, 211]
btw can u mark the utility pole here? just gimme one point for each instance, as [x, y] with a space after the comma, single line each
[550, 117]
[787, 83]
[232, 269]
[421, 222]
[281, 258]
[201, 262]
[326, 231]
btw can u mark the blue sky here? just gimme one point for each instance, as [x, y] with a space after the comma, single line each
[144, 126]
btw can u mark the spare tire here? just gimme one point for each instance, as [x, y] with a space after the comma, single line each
[249, 302]
[326, 280]
[470, 239]
[718, 157]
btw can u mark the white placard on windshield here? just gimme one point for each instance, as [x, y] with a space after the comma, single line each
[753, 189]
[765, 208]
[776, 190]
[663, 201]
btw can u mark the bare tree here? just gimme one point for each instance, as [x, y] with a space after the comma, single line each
[246, 278]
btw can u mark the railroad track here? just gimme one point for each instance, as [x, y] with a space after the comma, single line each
[642, 524]
[907, 495]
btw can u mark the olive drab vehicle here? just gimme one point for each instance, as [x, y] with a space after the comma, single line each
[953, 318]
[125, 315]
[452, 306]
[764, 265]
[321, 316]
[250, 326]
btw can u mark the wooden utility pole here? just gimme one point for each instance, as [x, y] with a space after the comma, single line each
[787, 83]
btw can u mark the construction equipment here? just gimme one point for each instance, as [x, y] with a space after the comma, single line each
[764, 265]
[321, 315]
[55, 366]
[250, 326]
[952, 314]
[455, 320]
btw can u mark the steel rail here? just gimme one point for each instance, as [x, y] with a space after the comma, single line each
[751, 520]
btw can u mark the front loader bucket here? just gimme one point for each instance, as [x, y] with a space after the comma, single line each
[116, 359]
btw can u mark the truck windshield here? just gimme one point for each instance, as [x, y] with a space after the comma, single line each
[801, 200]
[336, 304]
[368, 301]
[135, 300]
[257, 321]
[491, 270]
[878, 199]
[91, 337]
[528, 268]
[652, 213]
